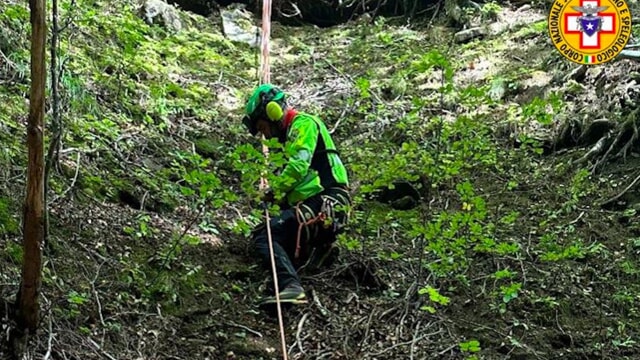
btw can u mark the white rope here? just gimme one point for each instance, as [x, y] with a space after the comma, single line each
[265, 79]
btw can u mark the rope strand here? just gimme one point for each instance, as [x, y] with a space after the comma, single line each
[266, 78]
[302, 223]
[266, 32]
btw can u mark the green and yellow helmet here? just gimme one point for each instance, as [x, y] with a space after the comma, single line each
[266, 102]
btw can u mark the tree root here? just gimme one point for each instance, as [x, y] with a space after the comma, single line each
[609, 202]
[573, 133]
[605, 147]
[625, 139]
[625, 149]
[595, 131]
[597, 149]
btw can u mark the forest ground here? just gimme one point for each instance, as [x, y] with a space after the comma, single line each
[508, 256]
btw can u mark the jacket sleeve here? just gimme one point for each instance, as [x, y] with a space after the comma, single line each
[299, 148]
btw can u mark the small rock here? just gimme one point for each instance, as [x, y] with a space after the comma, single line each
[498, 89]
[238, 25]
[159, 12]
[538, 79]
[469, 34]
[524, 8]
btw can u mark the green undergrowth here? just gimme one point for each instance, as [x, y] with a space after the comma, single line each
[125, 85]
[504, 234]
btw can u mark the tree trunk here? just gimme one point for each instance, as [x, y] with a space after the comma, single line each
[56, 121]
[28, 302]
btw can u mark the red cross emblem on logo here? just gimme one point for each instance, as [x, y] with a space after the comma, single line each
[572, 25]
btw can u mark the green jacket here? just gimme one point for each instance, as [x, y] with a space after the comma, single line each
[313, 163]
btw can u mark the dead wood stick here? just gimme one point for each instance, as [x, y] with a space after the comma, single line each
[50, 340]
[412, 341]
[298, 339]
[256, 333]
[100, 350]
[323, 310]
[335, 127]
[448, 349]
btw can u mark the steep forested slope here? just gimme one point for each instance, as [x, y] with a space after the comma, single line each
[507, 255]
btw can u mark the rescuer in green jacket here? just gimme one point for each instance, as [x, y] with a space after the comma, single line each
[314, 184]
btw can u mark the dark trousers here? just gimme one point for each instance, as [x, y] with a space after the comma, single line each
[284, 233]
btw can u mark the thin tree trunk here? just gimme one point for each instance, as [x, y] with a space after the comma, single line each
[414, 9]
[28, 302]
[56, 121]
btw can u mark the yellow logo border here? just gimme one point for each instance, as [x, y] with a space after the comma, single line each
[606, 53]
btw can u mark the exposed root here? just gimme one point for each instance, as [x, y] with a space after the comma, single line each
[609, 202]
[600, 133]
[594, 131]
[595, 150]
[625, 149]
[568, 135]
[298, 337]
[575, 133]
[613, 145]
[627, 134]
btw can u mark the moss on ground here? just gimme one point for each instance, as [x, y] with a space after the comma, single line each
[9, 224]
[507, 247]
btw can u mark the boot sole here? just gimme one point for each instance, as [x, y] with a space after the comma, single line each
[272, 301]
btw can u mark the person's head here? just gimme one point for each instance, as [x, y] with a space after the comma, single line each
[265, 110]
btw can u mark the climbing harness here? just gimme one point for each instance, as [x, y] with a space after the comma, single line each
[329, 217]
[265, 78]
[321, 217]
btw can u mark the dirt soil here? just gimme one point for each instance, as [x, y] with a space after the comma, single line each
[114, 290]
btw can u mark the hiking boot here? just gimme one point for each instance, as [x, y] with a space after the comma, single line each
[292, 294]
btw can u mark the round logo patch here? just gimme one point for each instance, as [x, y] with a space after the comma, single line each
[589, 31]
